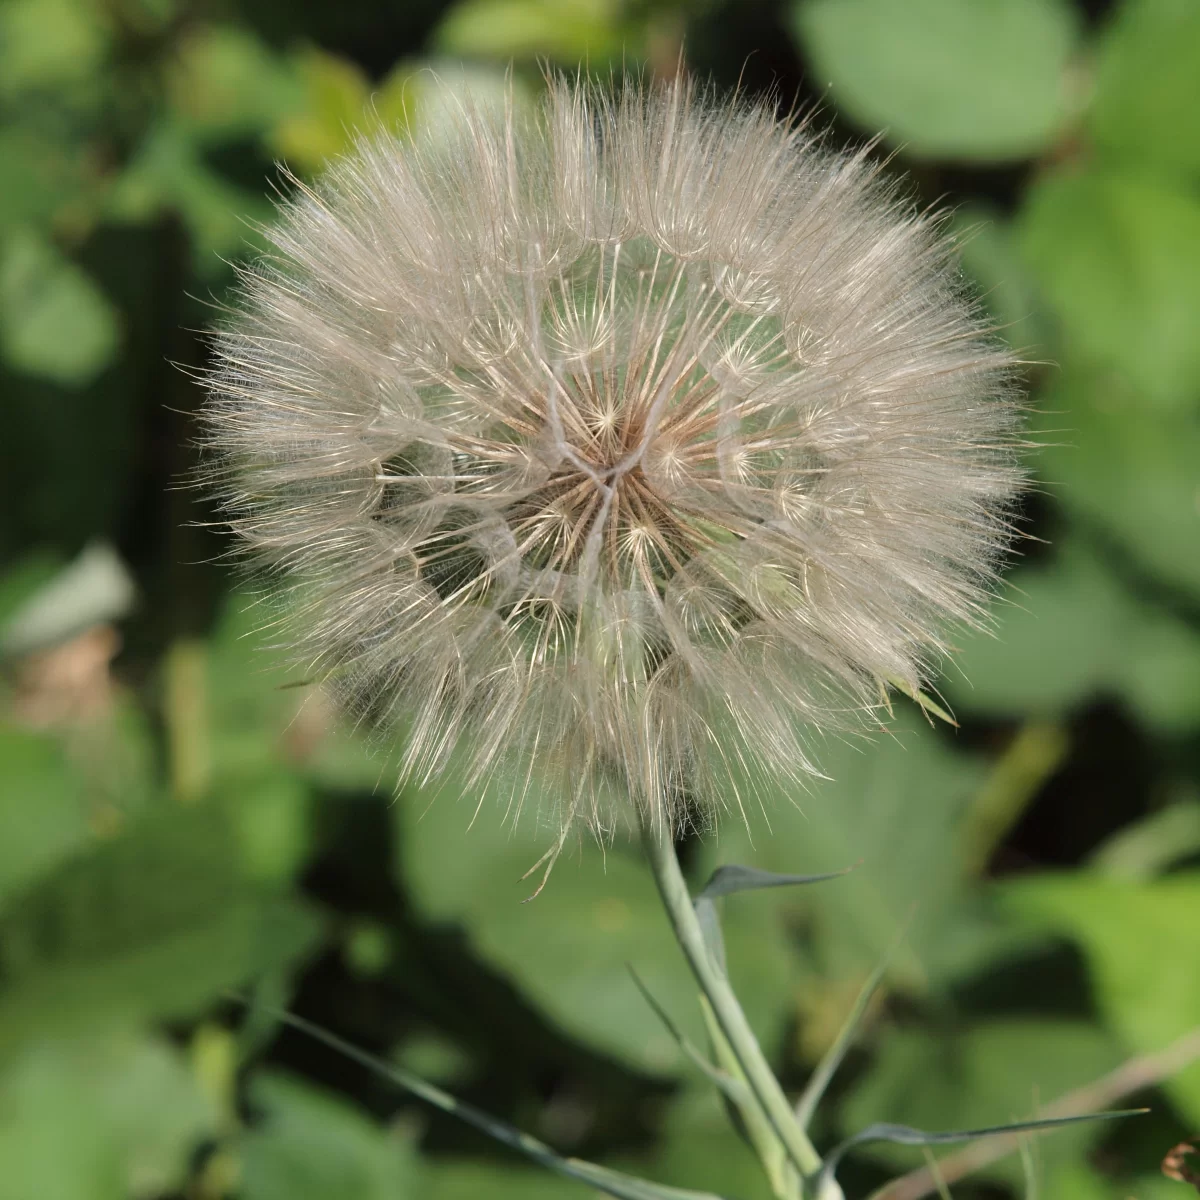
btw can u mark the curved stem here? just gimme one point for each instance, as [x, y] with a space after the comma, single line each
[660, 850]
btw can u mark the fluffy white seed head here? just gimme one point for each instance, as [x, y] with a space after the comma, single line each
[629, 440]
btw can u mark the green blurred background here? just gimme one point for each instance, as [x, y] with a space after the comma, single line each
[175, 825]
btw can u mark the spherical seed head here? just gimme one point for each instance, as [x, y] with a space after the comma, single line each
[630, 440]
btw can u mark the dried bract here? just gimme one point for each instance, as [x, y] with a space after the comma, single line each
[637, 437]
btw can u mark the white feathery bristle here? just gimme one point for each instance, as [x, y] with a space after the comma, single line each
[631, 440]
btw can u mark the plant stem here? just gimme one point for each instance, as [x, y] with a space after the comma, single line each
[677, 900]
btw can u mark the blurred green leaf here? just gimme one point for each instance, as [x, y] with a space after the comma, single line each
[1118, 258]
[1130, 470]
[811, 1099]
[105, 1119]
[570, 31]
[570, 947]
[1068, 632]
[980, 80]
[1142, 942]
[864, 814]
[1080, 1181]
[43, 811]
[1144, 1187]
[47, 43]
[271, 820]
[1147, 86]
[701, 1149]
[473, 1181]
[991, 258]
[54, 321]
[41, 174]
[260, 719]
[1029, 759]
[1145, 848]
[312, 1145]
[153, 923]
[168, 175]
[249, 703]
[226, 82]
[992, 1073]
[337, 94]
[24, 579]
[337, 106]
[432, 1056]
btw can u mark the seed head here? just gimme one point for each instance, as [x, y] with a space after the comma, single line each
[635, 439]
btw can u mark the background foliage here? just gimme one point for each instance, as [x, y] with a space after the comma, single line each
[174, 824]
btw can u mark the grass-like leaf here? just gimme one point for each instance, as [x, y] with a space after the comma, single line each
[906, 1135]
[926, 703]
[611, 1183]
[806, 1106]
[731, 878]
[744, 1109]
[734, 1089]
[1029, 1170]
[939, 1181]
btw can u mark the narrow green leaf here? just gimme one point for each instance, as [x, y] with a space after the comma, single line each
[978, 1074]
[1029, 1170]
[806, 1106]
[726, 880]
[935, 1170]
[611, 1183]
[625, 1187]
[926, 703]
[906, 1135]
[735, 1089]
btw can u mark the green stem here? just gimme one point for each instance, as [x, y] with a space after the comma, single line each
[677, 900]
